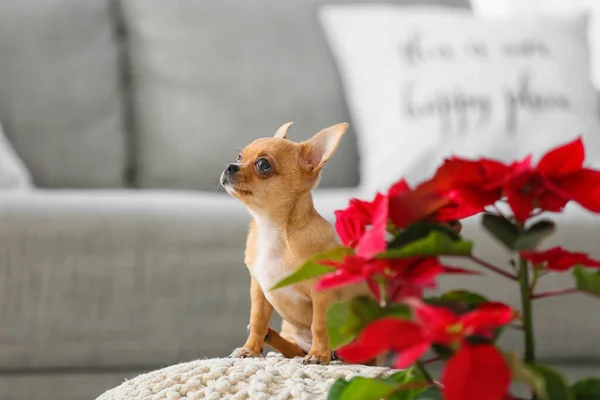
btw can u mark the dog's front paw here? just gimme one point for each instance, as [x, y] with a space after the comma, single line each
[317, 357]
[244, 352]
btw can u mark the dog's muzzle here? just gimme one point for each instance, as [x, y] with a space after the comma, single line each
[230, 171]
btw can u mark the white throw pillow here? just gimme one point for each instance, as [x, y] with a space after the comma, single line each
[13, 173]
[423, 83]
[512, 8]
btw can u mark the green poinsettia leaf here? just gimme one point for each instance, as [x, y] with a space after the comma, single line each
[527, 375]
[409, 384]
[502, 229]
[398, 311]
[436, 243]
[365, 308]
[431, 393]
[312, 269]
[419, 231]
[459, 301]
[403, 385]
[586, 389]
[509, 235]
[308, 270]
[441, 351]
[533, 236]
[406, 394]
[587, 280]
[344, 323]
[555, 384]
[464, 296]
[336, 390]
[346, 319]
[405, 376]
[360, 388]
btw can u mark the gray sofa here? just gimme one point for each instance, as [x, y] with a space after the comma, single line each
[127, 257]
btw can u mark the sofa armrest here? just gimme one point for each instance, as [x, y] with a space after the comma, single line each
[120, 278]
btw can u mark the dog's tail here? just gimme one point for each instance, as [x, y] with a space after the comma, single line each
[284, 346]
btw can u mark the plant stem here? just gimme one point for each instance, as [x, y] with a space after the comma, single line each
[527, 313]
[431, 360]
[421, 368]
[383, 293]
[552, 293]
[410, 386]
[536, 276]
[493, 268]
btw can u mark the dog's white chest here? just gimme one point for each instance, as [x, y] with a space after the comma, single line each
[268, 267]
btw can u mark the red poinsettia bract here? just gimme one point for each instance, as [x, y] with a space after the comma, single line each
[364, 226]
[476, 372]
[558, 259]
[471, 185]
[460, 188]
[558, 178]
[445, 327]
[404, 277]
[351, 223]
[401, 205]
[472, 365]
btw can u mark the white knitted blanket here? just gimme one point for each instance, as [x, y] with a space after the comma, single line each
[273, 377]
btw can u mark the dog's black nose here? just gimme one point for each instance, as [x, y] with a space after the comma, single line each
[232, 169]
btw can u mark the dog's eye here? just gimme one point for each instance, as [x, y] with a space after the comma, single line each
[263, 165]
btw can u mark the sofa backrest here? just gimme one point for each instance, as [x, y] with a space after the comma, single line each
[61, 100]
[211, 76]
[206, 78]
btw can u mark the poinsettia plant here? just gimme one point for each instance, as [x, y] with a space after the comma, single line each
[394, 244]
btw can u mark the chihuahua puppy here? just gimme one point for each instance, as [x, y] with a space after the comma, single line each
[274, 178]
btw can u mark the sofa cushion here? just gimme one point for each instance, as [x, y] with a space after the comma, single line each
[147, 278]
[60, 94]
[211, 76]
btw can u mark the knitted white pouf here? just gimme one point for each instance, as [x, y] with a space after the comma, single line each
[273, 377]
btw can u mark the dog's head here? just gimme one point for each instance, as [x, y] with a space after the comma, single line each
[274, 171]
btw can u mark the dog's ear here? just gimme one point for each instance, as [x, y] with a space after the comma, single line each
[282, 131]
[316, 151]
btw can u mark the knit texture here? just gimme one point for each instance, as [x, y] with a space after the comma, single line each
[272, 377]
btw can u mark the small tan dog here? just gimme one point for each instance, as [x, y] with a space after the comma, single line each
[274, 178]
